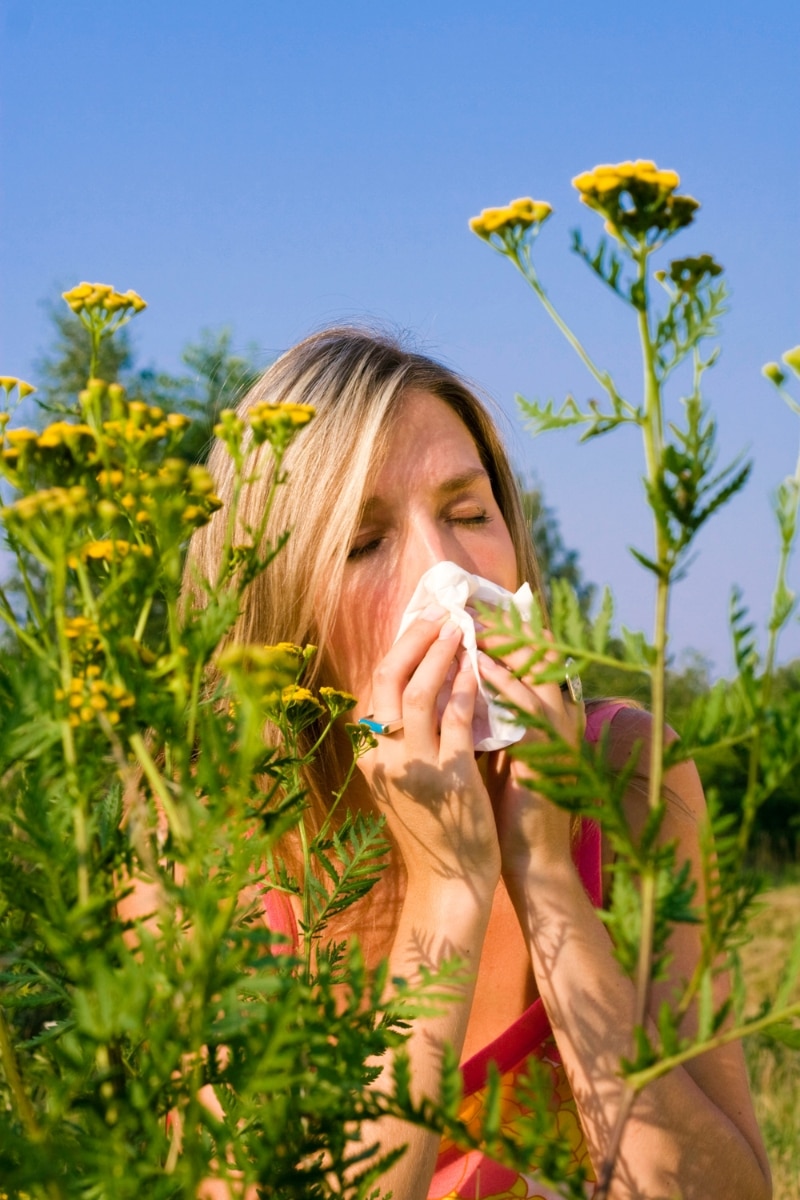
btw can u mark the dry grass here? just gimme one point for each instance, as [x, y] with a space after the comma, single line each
[774, 1069]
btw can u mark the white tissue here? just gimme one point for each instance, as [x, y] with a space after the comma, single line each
[453, 588]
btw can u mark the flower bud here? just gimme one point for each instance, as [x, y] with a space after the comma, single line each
[107, 510]
[792, 359]
[773, 372]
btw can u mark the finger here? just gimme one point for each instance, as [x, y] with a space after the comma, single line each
[420, 701]
[415, 698]
[393, 672]
[544, 700]
[457, 718]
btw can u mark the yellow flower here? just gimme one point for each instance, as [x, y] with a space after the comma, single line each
[61, 502]
[272, 668]
[77, 628]
[792, 359]
[135, 300]
[110, 478]
[74, 436]
[278, 423]
[773, 372]
[200, 480]
[21, 437]
[512, 220]
[300, 706]
[97, 295]
[102, 297]
[9, 382]
[637, 198]
[109, 550]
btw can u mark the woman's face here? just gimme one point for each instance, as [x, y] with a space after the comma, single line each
[430, 502]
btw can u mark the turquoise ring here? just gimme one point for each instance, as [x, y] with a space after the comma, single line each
[381, 727]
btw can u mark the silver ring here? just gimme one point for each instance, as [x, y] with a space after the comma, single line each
[381, 727]
[572, 685]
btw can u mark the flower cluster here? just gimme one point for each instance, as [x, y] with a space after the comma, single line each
[102, 298]
[271, 669]
[57, 455]
[300, 705]
[143, 423]
[88, 696]
[637, 199]
[337, 702]
[278, 423]
[9, 382]
[65, 505]
[109, 550]
[688, 273]
[513, 221]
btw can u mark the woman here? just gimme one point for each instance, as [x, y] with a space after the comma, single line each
[400, 469]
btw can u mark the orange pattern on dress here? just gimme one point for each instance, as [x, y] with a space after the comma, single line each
[474, 1176]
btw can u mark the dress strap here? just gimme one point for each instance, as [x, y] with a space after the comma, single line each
[587, 852]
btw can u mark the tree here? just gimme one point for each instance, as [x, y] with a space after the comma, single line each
[556, 561]
[61, 372]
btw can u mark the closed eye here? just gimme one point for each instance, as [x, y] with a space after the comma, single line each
[479, 518]
[363, 549]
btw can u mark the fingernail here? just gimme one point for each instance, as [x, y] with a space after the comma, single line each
[448, 629]
[433, 612]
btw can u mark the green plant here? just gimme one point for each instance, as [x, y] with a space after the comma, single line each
[642, 211]
[153, 1033]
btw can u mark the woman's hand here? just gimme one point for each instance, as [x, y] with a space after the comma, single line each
[424, 777]
[533, 833]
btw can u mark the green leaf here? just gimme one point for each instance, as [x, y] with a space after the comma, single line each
[544, 418]
[785, 1033]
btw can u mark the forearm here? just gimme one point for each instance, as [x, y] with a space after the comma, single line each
[677, 1142]
[436, 923]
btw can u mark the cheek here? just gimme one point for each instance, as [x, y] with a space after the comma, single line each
[501, 562]
[362, 633]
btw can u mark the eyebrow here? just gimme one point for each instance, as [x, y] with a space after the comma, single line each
[459, 482]
[448, 487]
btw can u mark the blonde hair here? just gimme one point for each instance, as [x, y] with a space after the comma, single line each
[356, 381]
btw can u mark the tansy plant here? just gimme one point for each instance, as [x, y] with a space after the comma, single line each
[675, 310]
[154, 1031]
[122, 763]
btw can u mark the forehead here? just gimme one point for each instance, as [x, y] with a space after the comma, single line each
[427, 440]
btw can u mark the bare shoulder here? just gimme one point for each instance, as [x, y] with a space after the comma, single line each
[632, 739]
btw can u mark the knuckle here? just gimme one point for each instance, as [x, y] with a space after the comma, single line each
[415, 697]
[382, 674]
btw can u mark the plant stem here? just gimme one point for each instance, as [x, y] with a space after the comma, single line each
[640, 1079]
[159, 786]
[528, 272]
[14, 1079]
[652, 431]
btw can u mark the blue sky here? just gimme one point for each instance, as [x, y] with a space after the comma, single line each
[277, 167]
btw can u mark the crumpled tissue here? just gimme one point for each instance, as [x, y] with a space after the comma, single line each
[453, 588]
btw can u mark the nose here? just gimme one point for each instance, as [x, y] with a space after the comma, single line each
[430, 542]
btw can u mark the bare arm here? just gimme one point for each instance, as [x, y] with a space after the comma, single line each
[692, 1133]
[438, 810]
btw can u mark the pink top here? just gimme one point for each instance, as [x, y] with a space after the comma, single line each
[461, 1175]
[470, 1175]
